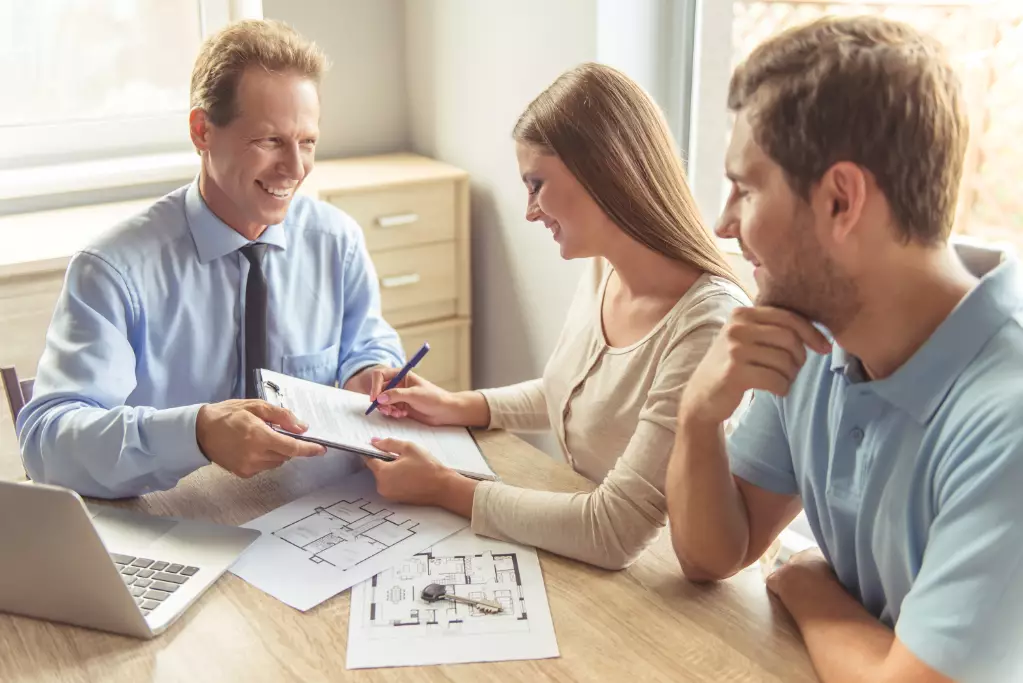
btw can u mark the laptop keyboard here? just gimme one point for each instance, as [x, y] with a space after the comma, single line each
[151, 581]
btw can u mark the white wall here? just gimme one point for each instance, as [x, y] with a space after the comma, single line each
[642, 38]
[472, 68]
[364, 94]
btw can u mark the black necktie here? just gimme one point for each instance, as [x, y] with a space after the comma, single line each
[255, 316]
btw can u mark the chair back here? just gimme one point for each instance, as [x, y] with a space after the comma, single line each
[979, 259]
[18, 392]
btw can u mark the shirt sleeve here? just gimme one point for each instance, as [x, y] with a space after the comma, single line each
[366, 338]
[963, 615]
[76, 431]
[758, 448]
[614, 524]
[520, 407]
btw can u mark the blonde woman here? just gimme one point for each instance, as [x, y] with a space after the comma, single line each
[603, 175]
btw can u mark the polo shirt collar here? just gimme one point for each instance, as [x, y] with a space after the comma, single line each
[213, 237]
[923, 382]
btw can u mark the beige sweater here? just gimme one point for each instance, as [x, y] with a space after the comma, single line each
[613, 413]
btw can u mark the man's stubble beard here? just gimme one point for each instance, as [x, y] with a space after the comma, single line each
[811, 285]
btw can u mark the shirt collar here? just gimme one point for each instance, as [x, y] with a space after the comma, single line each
[213, 237]
[923, 382]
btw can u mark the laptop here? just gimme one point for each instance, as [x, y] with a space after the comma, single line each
[103, 567]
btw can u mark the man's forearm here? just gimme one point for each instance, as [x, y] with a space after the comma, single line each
[846, 643]
[709, 527]
[125, 451]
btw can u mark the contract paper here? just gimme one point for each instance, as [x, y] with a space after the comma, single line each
[337, 417]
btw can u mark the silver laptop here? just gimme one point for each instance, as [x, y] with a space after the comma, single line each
[103, 567]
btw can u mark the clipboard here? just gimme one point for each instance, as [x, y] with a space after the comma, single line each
[455, 447]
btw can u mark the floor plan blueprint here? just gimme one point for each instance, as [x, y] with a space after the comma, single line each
[394, 595]
[319, 545]
[348, 532]
[391, 625]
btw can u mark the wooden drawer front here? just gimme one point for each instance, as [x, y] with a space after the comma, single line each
[402, 216]
[447, 363]
[418, 283]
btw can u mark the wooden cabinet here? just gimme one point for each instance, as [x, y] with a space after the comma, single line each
[414, 212]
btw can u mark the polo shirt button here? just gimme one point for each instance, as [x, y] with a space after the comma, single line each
[857, 435]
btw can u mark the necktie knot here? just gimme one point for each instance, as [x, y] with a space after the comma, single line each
[254, 253]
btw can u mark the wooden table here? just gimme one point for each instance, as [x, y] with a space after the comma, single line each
[644, 624]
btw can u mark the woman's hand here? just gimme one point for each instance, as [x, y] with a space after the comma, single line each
[425, 402]
[417, 478]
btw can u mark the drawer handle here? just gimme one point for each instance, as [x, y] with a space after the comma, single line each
[400, 280]
[397, 220]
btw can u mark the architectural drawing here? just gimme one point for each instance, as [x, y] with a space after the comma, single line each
[391, 625]
[335, 537]
[394, 596]
[348, 532]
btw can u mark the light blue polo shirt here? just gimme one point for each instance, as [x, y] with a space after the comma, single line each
[913, 485]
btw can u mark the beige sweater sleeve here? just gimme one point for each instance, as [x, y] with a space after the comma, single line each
[614, 524]
[520, 407]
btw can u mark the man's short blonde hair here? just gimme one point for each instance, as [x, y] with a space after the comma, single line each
[224, 57]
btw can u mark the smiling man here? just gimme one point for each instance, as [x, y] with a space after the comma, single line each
[901, 435]
[147, 373]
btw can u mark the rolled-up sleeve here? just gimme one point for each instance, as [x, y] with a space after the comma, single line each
[366, 338]
[76, 431]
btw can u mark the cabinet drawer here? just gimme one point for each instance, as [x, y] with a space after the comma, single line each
[417, 283]
[402, 216]
[448, 362]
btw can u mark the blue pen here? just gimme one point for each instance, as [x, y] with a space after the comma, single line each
[396, 380]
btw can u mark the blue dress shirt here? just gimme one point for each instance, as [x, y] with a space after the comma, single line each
[913, 484]
[150, 325]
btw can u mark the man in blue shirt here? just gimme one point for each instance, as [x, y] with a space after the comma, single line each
[901, 435]
[162, 322]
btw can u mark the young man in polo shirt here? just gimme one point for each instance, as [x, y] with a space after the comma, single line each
[900, 433]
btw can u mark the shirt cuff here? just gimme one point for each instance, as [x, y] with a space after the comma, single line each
[352, 367]
[495, 416]
[174, 430]
[495, 420]
[480, 519]
[519, 407]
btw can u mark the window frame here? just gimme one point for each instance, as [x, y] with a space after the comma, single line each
[709, 122]
[82, 141]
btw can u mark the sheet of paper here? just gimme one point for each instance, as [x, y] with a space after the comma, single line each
[390, 625]
[319, 545]
[338, 416]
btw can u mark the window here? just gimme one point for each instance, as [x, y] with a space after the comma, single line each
[89, 79]
[985, 41]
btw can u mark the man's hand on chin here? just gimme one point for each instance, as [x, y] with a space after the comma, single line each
[362, 381]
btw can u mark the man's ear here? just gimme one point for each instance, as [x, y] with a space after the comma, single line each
[199, 129]
[843, 190]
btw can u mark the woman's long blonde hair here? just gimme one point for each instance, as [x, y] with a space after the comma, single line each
[612, 136]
